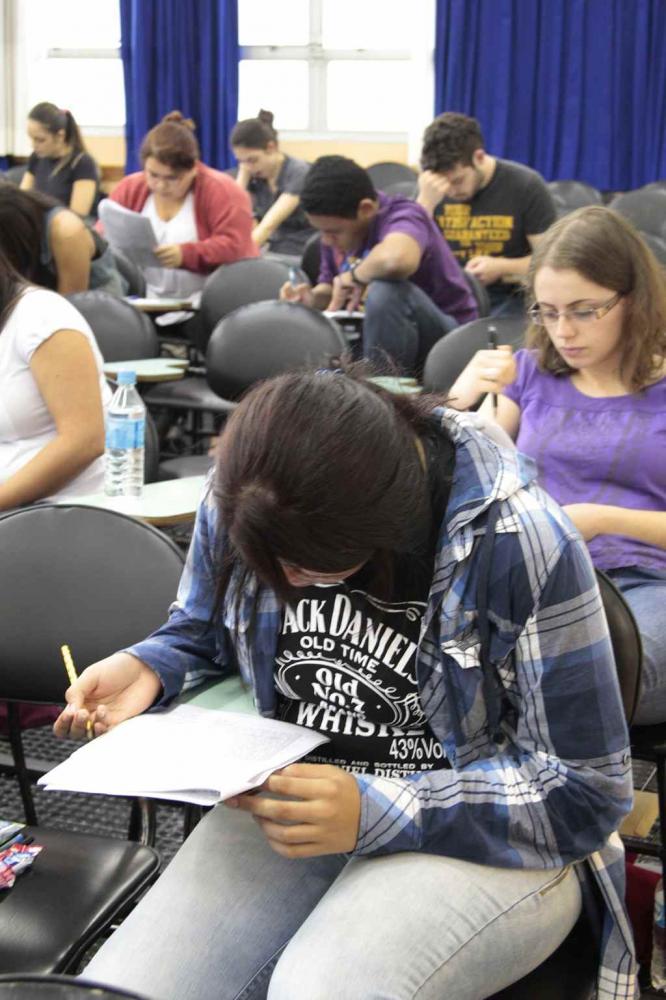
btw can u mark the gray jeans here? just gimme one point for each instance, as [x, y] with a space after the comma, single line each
[231, 919]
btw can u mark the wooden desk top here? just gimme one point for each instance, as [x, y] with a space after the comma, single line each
[150, 369]
[171, 502]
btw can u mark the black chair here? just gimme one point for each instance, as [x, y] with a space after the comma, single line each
[657, 245]
[58, 988]
[480, 293]
[266, 339]
[407, 188]
[121, 331]
[449, 355]
[14, 175]
[388, 172]
[256, 279]
[133, 275]
[569, 195]
[78, 886]
[654, 186]
[92, 578]
[645, 209]
[311, 258]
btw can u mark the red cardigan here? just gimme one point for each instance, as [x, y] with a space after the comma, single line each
[223, 215]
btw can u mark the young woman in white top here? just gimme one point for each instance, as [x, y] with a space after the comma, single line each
[53, 395]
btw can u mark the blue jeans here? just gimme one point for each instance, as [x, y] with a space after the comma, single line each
[644, 590]
[232, 920]
[401, 321]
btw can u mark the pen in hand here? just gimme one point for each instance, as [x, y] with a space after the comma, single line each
[72, 676]
[492, 344]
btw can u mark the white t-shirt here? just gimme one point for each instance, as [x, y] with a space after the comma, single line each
[26, 425]
[173, 282]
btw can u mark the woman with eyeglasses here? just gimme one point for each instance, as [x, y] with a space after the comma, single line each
[587, 400]
[200, 216]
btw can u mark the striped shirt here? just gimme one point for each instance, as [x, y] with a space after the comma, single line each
[554, 788]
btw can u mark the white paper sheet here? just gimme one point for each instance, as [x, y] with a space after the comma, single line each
[186, 753]
[129, 232]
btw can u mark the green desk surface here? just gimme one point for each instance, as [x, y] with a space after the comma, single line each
[396, 384]
[228, 695]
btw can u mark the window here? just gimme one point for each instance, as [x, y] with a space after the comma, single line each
[75, 60]
[343, 67]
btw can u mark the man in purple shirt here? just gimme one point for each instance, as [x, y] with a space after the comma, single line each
[387, 251]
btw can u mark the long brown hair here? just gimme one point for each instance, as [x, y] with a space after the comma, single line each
[604, 248]
[172, 142]
[321, 471]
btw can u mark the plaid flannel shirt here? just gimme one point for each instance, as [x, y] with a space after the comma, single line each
[554, 789]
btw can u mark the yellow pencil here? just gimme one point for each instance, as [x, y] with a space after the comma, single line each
[71, 674]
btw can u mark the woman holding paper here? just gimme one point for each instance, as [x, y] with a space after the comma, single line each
[200, 216]
[379, 570]
[51, 246]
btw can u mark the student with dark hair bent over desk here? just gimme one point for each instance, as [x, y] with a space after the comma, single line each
[354, 549]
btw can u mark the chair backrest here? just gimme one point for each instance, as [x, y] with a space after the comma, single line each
[85, 576]
[626, 642]
[408, 188]
[449, 356]
[388, 172]
[266, 339]
[480, 293]
[311, 258]
[645, 209]
[657, 245]
[133, 275]
[256, 279]
[569, 195]
[14, 175]
[121, 331]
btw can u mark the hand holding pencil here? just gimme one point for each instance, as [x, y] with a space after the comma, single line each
[488, 372]
[106, 693]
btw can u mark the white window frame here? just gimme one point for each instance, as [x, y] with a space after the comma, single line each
[90, 53]
[317, 59]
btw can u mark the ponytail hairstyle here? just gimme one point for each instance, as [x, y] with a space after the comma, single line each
[56, 120]
[606, 249]
[254, 133]
[321, 470]
[22, 223]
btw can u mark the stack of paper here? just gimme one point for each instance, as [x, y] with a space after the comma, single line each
[129, 232]
[186, 753]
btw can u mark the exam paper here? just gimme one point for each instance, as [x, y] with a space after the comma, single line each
[186, 753]
[129, 232]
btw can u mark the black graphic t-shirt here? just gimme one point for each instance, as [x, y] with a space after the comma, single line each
[499, 218]
[346, 661]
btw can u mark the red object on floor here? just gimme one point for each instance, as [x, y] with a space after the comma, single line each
[641, 885]
[30, 716]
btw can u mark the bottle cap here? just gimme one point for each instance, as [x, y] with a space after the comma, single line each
[126, 378]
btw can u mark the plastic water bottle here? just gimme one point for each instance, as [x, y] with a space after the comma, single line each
[125, 435]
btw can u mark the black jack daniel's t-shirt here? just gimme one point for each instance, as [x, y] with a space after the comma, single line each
[346, 666]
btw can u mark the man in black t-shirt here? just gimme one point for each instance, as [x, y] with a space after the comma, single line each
[490, 211]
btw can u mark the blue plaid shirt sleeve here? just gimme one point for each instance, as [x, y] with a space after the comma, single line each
[561, 781]
[191, 646]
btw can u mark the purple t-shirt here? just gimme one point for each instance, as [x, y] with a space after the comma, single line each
[607, 451]
[438, 274]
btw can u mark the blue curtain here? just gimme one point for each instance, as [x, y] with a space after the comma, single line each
[181, 54]
[574, 88]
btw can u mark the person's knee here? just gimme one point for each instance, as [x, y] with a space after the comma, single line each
[383, 293]
[300, 975]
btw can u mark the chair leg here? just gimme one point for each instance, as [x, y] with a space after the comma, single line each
[16, 744]
[143, 822]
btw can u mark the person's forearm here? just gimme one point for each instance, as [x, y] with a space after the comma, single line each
[384, 262]
[647, 526]
[50, 469]
[322, 296]
[429, 201]
[511, 266]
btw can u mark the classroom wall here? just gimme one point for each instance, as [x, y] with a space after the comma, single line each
[109, 151]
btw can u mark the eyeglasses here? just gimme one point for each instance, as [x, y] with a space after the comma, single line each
[541, 316]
